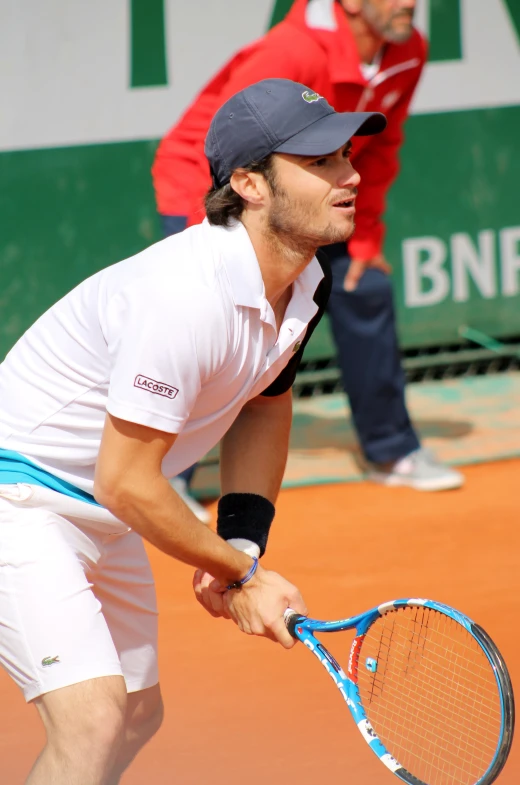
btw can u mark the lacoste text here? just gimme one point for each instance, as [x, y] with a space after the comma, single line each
[158, 388]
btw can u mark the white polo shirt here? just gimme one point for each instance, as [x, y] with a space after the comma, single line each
[177, 338]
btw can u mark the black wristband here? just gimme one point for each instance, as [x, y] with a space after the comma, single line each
[245, 515]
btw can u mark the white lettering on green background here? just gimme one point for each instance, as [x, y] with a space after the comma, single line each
[477, 263]
[510, 255]
[424, 259]
[434, 269]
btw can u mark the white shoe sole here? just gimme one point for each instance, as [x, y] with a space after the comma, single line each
[447, 483]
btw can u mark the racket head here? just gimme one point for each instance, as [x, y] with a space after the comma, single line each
[427, 687]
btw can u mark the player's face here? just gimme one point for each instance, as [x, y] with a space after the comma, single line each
[390, 19]
[313, 199]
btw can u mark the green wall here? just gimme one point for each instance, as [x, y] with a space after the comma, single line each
[459, 180]
[68, 212]
[65, 214]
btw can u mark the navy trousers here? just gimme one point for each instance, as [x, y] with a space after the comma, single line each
[364, 330]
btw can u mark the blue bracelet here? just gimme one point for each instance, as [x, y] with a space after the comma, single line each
[246, 578]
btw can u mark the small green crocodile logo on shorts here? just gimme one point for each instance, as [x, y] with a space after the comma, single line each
[310, 97]
[50, 660]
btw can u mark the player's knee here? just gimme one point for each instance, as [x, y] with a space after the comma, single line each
[148, 716]
[105, 722]
[95, 733]
[155, 720]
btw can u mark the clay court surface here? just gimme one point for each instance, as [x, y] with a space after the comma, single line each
[240, 709]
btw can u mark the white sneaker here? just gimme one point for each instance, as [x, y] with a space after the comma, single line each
[420, 470]
[200, 512]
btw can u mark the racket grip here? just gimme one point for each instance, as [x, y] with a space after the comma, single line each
[291, 619]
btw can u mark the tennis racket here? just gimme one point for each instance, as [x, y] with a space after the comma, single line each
[427, 688]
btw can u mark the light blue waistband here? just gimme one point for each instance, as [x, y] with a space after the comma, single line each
[17, 468]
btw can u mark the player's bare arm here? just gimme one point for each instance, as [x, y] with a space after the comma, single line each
[129, 482]
[253, 456]
[254, 451]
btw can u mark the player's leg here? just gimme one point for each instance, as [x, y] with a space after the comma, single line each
[55, 642]
[126, 589]
[84, 725]
[144, 714]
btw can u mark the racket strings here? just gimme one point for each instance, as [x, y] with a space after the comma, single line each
[438, 718]
[410, 717]
[427, 672]
[433, 699]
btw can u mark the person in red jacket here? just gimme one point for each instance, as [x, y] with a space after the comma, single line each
[360, 55]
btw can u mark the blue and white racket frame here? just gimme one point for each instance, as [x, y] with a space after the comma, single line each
[303, 629]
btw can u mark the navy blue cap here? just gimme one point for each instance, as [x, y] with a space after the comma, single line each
[279, 116]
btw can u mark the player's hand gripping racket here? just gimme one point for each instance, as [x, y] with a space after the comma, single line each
[427, 688]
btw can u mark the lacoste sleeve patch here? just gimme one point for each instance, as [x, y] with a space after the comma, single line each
[155, 387]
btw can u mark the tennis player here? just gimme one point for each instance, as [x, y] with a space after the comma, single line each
[129, 379]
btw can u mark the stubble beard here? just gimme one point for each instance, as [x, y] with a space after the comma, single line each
[392, 37]
[385, 31]
[290, 221]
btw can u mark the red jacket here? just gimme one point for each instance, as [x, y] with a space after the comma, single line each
[327, 61]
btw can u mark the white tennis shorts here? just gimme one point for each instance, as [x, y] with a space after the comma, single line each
[77, 597]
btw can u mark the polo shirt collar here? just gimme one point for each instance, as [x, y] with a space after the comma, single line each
[243, 270]
[241, 264]
[309, 279]
[301, 307]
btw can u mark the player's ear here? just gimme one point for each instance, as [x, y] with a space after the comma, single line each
[251, 186]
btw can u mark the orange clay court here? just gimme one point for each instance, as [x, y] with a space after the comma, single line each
[241, 709]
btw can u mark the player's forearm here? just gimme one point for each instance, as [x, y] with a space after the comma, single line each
[254, 450]
[154, 510]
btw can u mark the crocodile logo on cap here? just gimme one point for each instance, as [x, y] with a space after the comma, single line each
[310, 97]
